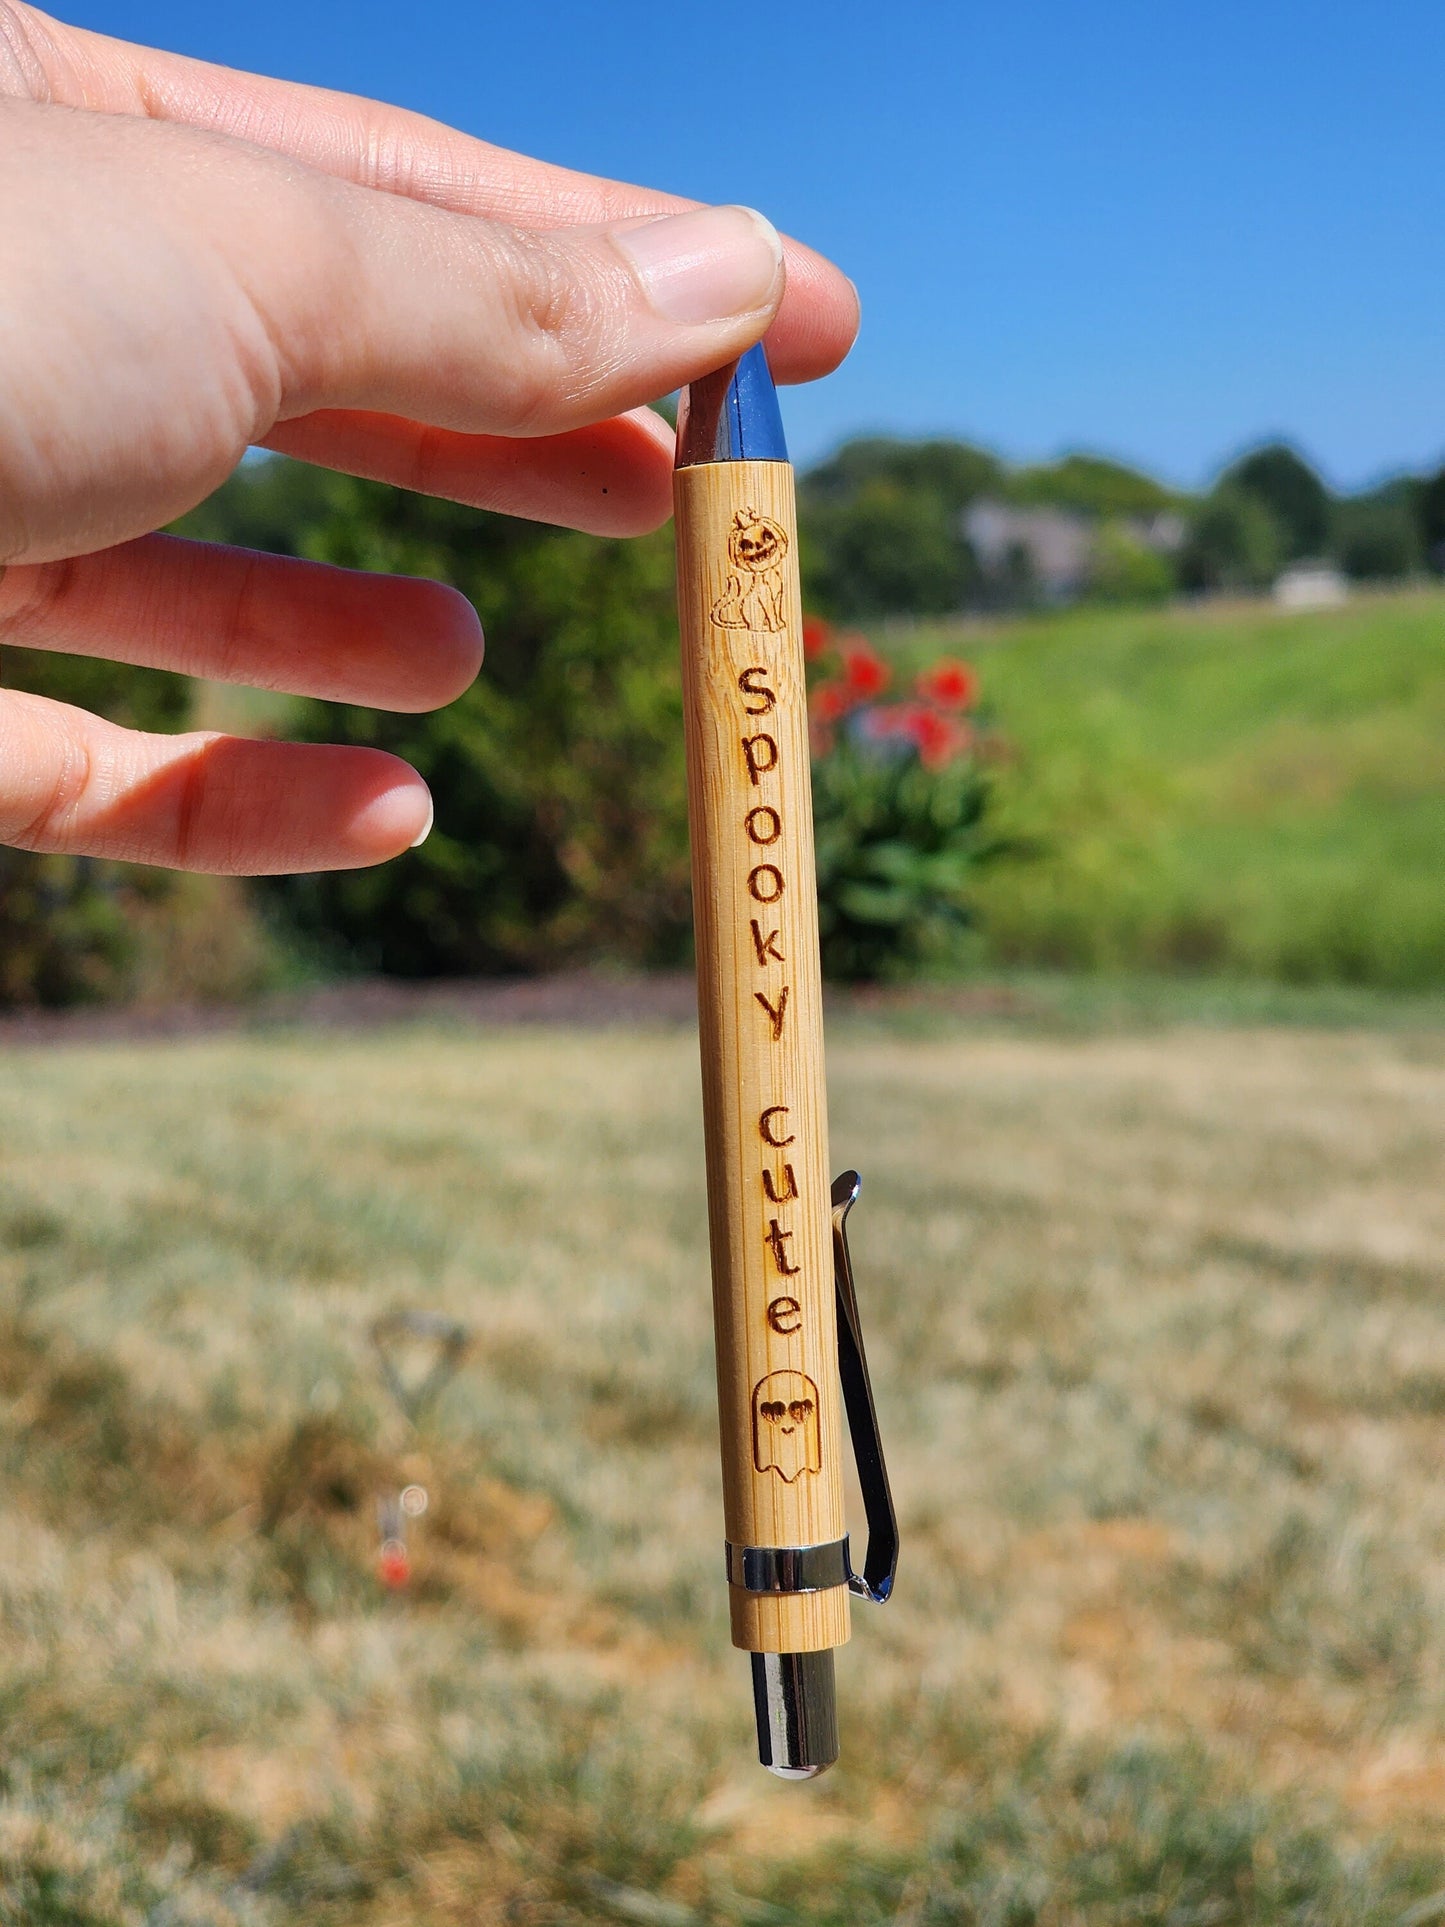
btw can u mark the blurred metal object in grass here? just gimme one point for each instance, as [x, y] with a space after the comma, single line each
[399, 1333]
[393, 1561]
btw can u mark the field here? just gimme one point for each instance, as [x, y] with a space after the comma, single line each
[1235, 790]
[1158, 1324]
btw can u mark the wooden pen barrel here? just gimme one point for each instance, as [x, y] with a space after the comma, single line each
[755, 911]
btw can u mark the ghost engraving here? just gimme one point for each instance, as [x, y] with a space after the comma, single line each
[752, 596]
[785, 1425]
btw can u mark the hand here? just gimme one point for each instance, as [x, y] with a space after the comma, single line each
[198, 260]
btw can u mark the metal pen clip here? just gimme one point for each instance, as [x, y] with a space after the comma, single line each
[880, 1561]
[816, 1568]
[793, 1693]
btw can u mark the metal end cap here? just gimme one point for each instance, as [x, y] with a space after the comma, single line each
[795, 1699]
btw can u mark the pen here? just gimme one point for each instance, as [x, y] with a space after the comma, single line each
[790, 1361]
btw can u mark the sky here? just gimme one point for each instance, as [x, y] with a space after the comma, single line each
[1159, 232]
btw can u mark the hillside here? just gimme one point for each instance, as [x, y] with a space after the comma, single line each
[1228, 789]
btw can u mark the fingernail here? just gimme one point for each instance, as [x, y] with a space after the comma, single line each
[425, 831]
[707, 265]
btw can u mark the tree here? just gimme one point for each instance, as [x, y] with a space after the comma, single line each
[1233, 543]
[1285, 485]
[887, 550]
[881, 530]
[1430, 519]
[1091, 485]
[955, 472]
[1377, 537]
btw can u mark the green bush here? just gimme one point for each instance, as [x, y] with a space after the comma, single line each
[1377, 537]
[897, 848]
[1126, 570]
[560, 783]
[559, 779]
[73, 930]
[1429, 504]
[899, 805]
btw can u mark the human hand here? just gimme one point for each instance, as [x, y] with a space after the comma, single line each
[199, 260]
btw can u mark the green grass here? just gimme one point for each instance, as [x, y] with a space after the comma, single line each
[1233, 790]
[1156, 1325]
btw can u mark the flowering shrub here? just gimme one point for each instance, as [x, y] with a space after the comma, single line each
[899, 800]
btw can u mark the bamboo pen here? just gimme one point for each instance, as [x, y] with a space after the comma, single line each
[789, 1358]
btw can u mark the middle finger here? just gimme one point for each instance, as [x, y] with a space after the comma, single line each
[613, 478]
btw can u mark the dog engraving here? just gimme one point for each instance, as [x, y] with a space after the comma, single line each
[752, 596]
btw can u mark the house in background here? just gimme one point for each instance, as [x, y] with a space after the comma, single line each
[1048, 553]
[1311, 585]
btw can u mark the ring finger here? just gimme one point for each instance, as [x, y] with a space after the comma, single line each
[392, 642]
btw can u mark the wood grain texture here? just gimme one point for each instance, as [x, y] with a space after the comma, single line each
[760, 1019]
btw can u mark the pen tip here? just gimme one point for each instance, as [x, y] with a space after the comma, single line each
[732, 415]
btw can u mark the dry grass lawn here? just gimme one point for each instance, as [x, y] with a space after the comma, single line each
[1158, 1330]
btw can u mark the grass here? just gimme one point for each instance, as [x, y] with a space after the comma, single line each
[1156, 1322]
[1233, 790]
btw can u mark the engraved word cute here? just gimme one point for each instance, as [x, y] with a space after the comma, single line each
[752, 596]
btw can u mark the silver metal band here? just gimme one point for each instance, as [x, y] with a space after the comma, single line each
[789, 1568]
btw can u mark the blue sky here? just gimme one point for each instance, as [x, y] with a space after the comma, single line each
[1159, 232]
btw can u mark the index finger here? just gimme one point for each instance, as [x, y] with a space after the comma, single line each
[388, 148]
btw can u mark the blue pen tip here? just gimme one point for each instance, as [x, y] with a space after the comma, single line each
[732, 415]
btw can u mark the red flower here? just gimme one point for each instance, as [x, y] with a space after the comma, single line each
[393, 1566]
[817, 637]
[934, 738]
[829, 704]
[938, 739]
[887, 720]
[949, 683]
[865, 672]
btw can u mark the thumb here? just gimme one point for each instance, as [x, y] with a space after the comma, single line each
[487, 328]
